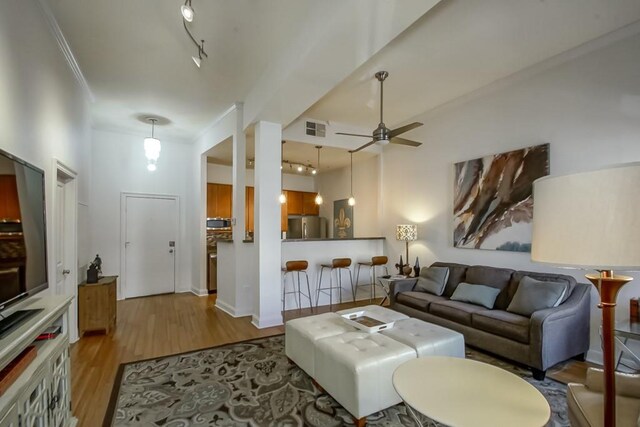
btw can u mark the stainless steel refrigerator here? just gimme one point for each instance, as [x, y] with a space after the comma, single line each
[307, 227]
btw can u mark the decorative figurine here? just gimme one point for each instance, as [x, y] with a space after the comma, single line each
[416, 268]
[95, 269]
[400, 265]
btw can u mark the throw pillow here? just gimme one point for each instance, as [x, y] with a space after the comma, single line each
[432, 280]
[476, 294]
[533, 295]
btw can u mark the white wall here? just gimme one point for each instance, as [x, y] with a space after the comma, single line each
[119, 165]
[587, 108]
[221, 174]
[335, 185]
[43, 111]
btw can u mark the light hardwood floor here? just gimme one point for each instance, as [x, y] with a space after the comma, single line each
[169, 324]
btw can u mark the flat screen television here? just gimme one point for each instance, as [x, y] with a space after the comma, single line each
[23, 231]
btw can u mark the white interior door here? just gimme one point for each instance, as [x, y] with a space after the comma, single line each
[151, 231]
[60, 238]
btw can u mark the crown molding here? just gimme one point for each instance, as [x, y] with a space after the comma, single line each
[65, 49]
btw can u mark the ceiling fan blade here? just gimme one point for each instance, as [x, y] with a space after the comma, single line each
[364, 146]
[403, 129]
[353, 134]
[403, 141]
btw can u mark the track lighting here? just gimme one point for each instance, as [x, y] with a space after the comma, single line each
[187, 16]
[187, 11]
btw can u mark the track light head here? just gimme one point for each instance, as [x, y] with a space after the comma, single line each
[187, 11]
[197, 60]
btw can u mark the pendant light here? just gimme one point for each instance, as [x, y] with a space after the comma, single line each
[283, 196]
[152, 147]
[318, 199]
[352, 200]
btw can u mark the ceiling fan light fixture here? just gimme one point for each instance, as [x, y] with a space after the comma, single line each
[187, 11]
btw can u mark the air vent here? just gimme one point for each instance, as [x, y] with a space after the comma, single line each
[316, 129]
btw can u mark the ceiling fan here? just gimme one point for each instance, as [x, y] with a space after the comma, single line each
[382, 134]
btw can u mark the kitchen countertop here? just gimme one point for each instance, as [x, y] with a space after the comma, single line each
[332, 239]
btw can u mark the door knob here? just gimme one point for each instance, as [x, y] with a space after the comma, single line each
[65, 272]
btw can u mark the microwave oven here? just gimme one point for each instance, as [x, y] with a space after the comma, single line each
[218, 223]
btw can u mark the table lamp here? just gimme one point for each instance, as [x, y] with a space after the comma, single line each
[591, 220]
[406, 233]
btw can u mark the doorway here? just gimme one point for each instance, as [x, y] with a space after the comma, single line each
[65, 240]
[149, 238]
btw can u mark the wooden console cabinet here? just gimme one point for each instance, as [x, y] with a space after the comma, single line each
[41, 395]
[97, 305]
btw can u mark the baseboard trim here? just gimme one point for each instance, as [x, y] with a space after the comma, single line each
[262, 323]
[198, 292]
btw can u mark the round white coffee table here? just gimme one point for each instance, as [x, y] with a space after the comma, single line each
[462, 392]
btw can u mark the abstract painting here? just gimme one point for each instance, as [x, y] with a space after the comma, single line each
[493, 199]
[342, 219]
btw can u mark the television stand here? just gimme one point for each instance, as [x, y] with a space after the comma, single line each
[8, 323]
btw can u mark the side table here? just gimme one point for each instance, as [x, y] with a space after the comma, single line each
[385, 284]
[623, 332]
[467, 393]
[97, 309]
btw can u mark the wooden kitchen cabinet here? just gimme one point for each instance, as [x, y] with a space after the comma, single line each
[295, 203]
[97, 305]
[309, 206]
[284, 220]
[219, 202]
[249, 209]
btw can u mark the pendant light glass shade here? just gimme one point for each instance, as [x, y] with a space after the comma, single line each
[152, 146]
[352, 200]
[318, 198]
[283, 196]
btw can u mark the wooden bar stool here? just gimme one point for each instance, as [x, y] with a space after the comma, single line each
[297, 267]
[337, 265]
[376, 261]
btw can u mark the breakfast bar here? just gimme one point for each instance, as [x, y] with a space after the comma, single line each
[322, 251]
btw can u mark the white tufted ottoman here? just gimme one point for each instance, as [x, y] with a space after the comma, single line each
[427, 339]
[356, 369]
[301, 336]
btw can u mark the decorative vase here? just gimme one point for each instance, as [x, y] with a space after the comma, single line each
[406, 270]
[416, 268]
[400, 265]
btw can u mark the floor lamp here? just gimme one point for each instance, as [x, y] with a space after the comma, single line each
[591, 221]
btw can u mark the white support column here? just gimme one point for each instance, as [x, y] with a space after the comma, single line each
[239, 172]
[267, 304]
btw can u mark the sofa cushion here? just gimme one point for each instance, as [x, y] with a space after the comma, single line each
[502, 323]
[418, 300]
[476, 294]
[457, 273]
[495, 277]
[432, 280]
[545, 277]
[457, 311]
[533, 295]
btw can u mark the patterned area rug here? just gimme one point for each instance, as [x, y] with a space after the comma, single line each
[253, 383]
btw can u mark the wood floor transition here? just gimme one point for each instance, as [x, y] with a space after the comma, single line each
[168, 324]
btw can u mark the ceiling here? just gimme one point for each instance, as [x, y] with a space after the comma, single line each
[294, 152]
[461, 46]
[136, 56]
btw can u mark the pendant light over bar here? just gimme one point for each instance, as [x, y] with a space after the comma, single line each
[352, 200]
[283, 196]
[318, 199]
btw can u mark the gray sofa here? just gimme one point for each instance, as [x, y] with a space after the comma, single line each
[547, 337]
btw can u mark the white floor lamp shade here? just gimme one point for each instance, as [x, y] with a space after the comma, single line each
[592, 220]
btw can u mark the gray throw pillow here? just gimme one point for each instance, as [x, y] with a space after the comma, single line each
[432, 280]
[476, 294]
[533, 295]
